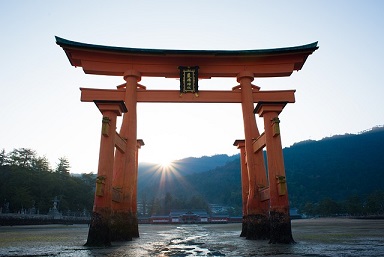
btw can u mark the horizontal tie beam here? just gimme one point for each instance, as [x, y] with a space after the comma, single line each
[174, 96]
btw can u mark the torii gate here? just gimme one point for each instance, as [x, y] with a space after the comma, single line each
[265, 196]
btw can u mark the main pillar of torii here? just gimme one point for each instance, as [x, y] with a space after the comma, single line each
[124, 221]
[257, 225]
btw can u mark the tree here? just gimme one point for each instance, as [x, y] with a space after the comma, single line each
[375, 203]
[89, 179]
[353, 205]
[41, 164]
[3, 158]
[63, 166]
[328, 207]
[23, 157]
[21, 198]
[310, 209]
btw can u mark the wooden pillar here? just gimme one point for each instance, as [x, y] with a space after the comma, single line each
[244, 184]
[135, 226]
[99, 233]
[257, 213]
[125, 225]
[280, 222]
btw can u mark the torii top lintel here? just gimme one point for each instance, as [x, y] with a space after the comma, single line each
[111, 60]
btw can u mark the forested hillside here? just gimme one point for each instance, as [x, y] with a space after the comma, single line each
[337, 172]
[337, 167]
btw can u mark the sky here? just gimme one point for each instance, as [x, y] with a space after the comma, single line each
[339, 90]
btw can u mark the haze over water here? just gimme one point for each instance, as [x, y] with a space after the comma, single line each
[315, 237]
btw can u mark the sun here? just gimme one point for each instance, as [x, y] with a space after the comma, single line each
[165, 164]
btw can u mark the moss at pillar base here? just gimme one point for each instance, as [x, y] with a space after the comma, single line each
[121, 227]
[99, 233]
[257, 227]
[281, 232]
[124, 226]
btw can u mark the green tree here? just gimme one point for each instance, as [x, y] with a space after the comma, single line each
[23, 157]
[89, 179]
[310, 209]
[41, 164]
[328, 207]
[21, 198]
[375, 203]
[353, 205]
[63, 166]
[3, 157]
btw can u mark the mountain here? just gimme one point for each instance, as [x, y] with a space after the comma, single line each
[196, 164]
[150, 174]
[337, 167]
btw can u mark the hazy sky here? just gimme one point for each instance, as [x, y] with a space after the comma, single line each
[339, 90]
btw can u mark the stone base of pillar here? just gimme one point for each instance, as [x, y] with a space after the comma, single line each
[257, 227]
[281, 232]
[99, 233]
[124, 226]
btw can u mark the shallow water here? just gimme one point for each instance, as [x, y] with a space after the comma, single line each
[315, 237]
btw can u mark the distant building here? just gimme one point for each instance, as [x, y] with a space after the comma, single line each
[219, 219]
[157, 219]
[182, 217]
[200, 217]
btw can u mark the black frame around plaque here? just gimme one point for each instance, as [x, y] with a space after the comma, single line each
[189, 78]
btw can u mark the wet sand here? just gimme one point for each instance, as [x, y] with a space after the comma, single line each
[314, 237]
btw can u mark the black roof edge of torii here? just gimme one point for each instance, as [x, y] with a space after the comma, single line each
[285, 50]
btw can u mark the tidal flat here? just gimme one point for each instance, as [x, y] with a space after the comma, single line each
[314, 237]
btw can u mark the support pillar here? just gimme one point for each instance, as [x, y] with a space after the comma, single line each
[135, 227]
[244, 184]
[257, 213]
[125, 224]
[99, 233]
[280, 221]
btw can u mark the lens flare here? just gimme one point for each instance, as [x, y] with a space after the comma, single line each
[166, 177]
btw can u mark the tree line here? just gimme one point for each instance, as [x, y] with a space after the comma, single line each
[29, 185]
[355, 205]
[164, 205]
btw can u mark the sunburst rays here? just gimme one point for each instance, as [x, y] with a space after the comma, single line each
[169, 176]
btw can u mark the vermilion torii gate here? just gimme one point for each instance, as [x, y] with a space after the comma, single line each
[264, 190]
